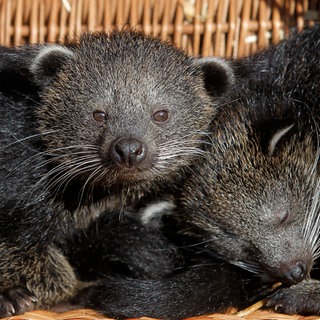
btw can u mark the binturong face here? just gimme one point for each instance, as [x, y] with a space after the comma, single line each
[125, 108]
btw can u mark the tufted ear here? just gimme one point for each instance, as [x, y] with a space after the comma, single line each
[48, 62]
[218, 75]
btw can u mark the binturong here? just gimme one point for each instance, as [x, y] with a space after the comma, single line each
[85, 128]
[253, 202]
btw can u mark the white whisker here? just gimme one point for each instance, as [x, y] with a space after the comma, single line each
[23, 140]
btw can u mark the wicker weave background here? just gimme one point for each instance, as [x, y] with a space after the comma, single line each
[201, 27]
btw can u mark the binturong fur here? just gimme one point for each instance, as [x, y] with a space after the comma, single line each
[253, 202]
[86, 128]
[146, 268]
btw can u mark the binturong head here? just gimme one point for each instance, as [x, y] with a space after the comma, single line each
[255, 200]
[125, 108]
[256, 197]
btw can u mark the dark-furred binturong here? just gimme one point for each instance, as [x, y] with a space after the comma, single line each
[89, 127]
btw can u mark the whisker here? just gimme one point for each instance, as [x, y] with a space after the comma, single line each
[97, 170]
[61, 175]
[249, 266]
[26, 139]
[59, 157]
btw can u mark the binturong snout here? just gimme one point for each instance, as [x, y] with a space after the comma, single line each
[128, 151]
[294, 272]
[290, 271]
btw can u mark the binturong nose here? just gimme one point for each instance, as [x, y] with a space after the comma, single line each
[128, 151]
[293, 273]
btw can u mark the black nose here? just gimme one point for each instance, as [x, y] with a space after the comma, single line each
[128, 151]
[295, 274]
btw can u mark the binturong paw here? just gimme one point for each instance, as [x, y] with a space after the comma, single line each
[302, 298]
[16, 300]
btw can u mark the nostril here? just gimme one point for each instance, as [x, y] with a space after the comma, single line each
[136, 148]
[118, 153]
[137, 152]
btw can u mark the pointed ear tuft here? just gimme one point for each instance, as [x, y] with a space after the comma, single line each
[48, 62]
[218, 75]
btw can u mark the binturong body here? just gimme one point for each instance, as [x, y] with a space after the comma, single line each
[85, 128]
[253, 202]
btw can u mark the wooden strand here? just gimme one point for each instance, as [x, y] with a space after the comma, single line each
[201, 27]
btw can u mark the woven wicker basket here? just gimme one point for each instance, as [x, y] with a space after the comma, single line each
[201, 27]
[227, 28]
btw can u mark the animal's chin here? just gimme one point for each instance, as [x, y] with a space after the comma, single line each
[132, 175]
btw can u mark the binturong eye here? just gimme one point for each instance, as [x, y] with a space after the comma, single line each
[283, 215]
[99, 116]
[160, 116]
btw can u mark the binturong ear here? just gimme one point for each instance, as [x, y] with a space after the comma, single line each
[218, 75]
[48, 62]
